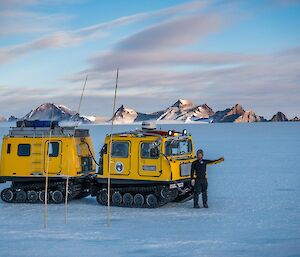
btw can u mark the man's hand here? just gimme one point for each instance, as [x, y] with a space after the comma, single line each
[193, 182]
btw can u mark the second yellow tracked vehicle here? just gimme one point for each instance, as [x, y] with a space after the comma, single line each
[147, 168]
[34, 150]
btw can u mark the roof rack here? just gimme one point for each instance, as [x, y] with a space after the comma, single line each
[37, 124]
[40, 128]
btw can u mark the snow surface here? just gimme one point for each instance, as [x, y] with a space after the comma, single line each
[253, 198]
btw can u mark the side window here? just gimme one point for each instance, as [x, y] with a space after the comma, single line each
[120, 149]
[149, 150]
[53, 149]
[178, 147]
[24, 150]
[8, 149]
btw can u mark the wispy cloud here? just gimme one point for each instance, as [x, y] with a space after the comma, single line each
[23, 18]
[68, 38]
[162, 43]
[176, 32]
[55, 40]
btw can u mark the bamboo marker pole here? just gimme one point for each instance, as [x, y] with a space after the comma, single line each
[66, 197]
[67, 182]
[110, 151]
[47, 171]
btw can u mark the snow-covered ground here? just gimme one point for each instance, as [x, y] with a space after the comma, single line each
[254, 205]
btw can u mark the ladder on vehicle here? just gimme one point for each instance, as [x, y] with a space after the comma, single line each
[37, 163]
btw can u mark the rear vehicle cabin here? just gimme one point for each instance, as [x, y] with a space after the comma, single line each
[34, 149]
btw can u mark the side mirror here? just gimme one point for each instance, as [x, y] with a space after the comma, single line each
[103, 150]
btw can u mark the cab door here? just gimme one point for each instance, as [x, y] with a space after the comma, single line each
[120, 163]
[53, 158]
[149, 160]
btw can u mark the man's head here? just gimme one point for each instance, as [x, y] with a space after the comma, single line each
[199, 154]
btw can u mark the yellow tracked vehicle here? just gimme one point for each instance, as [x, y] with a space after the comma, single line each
[34, 150]
[147, 168]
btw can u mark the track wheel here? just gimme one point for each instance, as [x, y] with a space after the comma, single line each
[102, 197]
[164, 192]
[128, 199]
[151, 201]
[32, 196]
[21, 196]
[173, 193]
[139, 200]
[7, 195]
[42, 196]
[57, 196]
[116, 198]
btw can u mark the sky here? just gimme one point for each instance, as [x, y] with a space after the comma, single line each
[215, 52]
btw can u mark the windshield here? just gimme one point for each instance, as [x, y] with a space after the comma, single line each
[178, 147]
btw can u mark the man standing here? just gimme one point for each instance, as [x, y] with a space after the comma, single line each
[199, 177]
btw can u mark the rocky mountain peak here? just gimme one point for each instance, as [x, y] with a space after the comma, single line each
[228, 115]
[236, 110]
[295, 119]
[12, 118]
[125, 115]
[249, 116]
[203, 111]
[51, 111]
[124, 110]
[182, 103]
[122, 107]
[279, 116]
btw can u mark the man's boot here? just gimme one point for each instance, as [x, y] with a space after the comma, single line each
[204, 199]
[196, 199]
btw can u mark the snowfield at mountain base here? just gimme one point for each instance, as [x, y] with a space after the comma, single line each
[253, 202]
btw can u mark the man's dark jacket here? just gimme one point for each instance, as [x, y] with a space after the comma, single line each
[198, 169]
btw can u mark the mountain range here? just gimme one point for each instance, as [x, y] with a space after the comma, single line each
[185, 111]
[181, 111]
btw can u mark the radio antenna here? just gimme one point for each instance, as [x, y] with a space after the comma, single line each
[86, 78]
